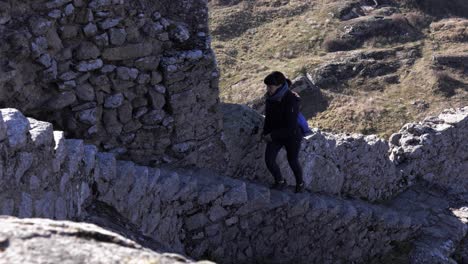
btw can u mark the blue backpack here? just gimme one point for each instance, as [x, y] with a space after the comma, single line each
[303, 125]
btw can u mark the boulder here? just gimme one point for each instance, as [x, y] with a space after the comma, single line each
[40, 241]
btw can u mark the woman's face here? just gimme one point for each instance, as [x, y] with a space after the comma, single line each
[272, 88]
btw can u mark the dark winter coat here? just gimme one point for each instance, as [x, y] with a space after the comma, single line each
[281, 117]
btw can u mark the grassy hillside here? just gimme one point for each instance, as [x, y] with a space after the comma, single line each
[377, 67]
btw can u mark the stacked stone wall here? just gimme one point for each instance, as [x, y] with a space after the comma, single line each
[435, 150]
[136, 78]
[194, 212]
[42, 173]
[359, 166]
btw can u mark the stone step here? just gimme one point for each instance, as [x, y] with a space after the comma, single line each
[441, 230]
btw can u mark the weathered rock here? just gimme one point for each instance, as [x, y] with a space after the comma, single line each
[39, 25]
[125, 112]
[56, 3]
[16, 127]
[180, 33]
[153, 117]
[50, 73]
[143, 78]
[130, 51]
[38, 47]
[125, 73]
[42, 133]
[420, 150]
[90, 30]
[117, 36]
[156, 77]
[157, 99]
[91, 65]
[61, 100]
[85, 92]
[109, 23]
[114, 101]
[150, 63]
[88, 116]
[45, 60]
[102, 40]
[87, 51]
[84, 16]
[46, 241]
[69, 31]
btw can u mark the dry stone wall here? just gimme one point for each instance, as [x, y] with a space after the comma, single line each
[42, 173]
[136, 78]
[338, 164]
[357, 165]
[435, 150]
[214, 217]
[195, 212]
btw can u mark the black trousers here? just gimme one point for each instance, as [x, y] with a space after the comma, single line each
[293, 147]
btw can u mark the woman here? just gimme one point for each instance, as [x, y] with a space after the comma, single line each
[281, 128]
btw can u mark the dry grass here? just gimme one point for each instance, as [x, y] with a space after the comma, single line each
[296, 42]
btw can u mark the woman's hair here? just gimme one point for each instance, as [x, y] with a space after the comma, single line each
[275, 78]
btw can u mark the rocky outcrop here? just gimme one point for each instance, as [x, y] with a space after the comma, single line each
[362, 22]
[434, 150]
[45, 241]
[134, 78]
[377, 66]
[450, 30]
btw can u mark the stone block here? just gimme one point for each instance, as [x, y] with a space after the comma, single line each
[196, 221]
[117, 36]
[236, 195]
[85, 92]
[17, 126]
[114, 101]
[26, 206]
[130, 51]
[217, 213]
[87, 51]
[90, 65]
[150, 63]
[42, 133]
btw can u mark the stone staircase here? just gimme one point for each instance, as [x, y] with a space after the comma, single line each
[203, 214]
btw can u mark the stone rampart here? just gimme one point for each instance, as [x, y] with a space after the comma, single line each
[195, 212]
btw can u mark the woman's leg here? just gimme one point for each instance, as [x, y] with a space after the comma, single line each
[271, 152]
[292, 149]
